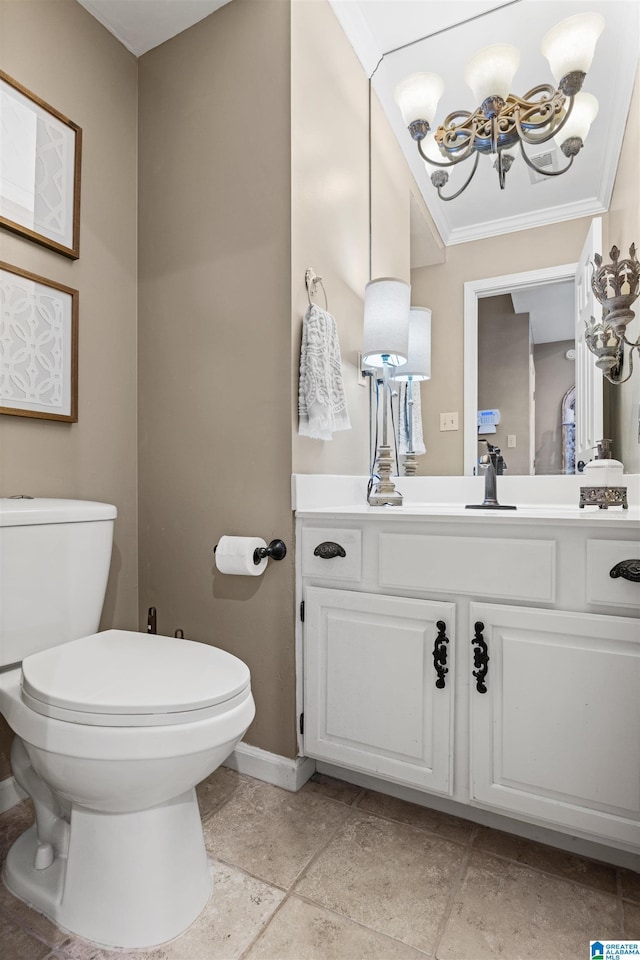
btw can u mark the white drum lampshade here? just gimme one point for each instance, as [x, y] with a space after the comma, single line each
[386, 322]
[418, 365]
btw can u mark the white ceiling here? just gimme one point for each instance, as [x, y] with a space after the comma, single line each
[443, 37]
[143, 24]
[551, 310]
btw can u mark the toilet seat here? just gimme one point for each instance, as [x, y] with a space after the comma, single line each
[121, 678]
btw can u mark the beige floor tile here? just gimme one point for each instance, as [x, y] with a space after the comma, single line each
[388, 876]
[12, 823]
[272, 833]
[303, 931]
[507, 910]
[331, 789]
[631, 921]
[219, 787]
[36, 923]
[630, 882]
[17, 944]
[239, 907]
[453, 828]
[600, 876]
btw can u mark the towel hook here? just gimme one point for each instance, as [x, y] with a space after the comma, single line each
[311, 281]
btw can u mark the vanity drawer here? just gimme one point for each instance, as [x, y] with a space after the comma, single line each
[318, 549]
[601, 587]
[501, 569]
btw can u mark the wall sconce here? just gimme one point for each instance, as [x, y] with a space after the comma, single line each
[503, 122]
[385, 344]
[417, 368]
[615, 286]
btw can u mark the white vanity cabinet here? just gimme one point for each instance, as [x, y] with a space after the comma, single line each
[537, 716]
[556, 735]
[378, 684]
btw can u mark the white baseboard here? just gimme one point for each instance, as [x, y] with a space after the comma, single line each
[270, 767]
[10, 794]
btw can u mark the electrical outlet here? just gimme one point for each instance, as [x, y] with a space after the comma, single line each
[511, 439]
[448, 421]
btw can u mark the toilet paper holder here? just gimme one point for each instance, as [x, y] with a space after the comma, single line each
[276, 550]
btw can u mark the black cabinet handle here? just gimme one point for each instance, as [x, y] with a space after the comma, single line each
[328, 550]
[627, 569]
[480, 657]
[440, 654]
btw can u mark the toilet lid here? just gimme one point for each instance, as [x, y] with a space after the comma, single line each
[123, 678]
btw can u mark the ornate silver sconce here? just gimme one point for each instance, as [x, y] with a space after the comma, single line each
[615, 286]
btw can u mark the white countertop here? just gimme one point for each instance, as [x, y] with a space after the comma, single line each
[426, 499]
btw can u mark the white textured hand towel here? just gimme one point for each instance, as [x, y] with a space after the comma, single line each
[403, 418]
[322, 405]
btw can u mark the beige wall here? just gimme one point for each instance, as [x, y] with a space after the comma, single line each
[331, 155]
[623, 229]
[503, 377]
[215, 341]
[59, 52]
[329, 215]
[554, 376]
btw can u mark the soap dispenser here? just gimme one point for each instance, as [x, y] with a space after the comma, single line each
[604, 480]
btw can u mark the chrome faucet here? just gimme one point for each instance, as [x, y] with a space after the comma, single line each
[492, 465]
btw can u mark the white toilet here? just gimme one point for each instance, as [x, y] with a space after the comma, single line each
[113, 732]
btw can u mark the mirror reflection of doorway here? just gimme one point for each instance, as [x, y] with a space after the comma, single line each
[525, 368]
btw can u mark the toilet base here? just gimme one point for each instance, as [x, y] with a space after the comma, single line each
[130, 879]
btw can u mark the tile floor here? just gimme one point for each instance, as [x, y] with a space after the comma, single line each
[339, 873]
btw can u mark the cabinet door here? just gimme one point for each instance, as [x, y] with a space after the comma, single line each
[556, 736]
[373, 698]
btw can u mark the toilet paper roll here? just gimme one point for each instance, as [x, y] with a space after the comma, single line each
[234, 555]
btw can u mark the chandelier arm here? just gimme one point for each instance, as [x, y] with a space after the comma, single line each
[533, 140]
[452, 163]
[544, 173]
[465, 184]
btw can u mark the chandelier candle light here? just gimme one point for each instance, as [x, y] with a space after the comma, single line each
[417, 368]
[504, 121]
[385, 344]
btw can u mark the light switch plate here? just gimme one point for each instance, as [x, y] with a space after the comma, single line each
[448, 421]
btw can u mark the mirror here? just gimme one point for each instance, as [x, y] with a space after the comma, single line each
[526, 376]
[484, 252]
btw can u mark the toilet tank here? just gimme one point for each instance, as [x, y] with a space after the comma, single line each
[54, 567]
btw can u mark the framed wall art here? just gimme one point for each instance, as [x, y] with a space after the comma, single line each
[40, 157]
[38, 346]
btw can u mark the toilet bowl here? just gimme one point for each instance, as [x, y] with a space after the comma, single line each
[114, 731]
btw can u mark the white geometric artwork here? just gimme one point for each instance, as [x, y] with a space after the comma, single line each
[38, 346]
[40, 155]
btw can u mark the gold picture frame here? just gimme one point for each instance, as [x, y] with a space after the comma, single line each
[39, 336]
[40, 163]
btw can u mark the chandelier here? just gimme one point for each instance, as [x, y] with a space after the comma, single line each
[615, 286]
[504, 122]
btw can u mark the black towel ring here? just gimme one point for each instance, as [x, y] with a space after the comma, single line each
[311, 281]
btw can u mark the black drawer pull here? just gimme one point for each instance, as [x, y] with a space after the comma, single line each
[627, 569]
[480, 657]
[328, 550]
[440, 654]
